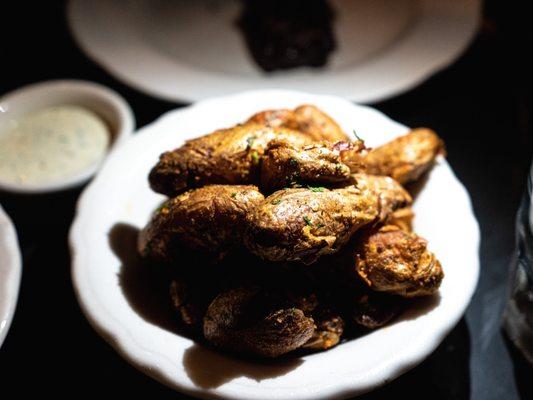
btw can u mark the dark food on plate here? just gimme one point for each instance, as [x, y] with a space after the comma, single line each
[288, 34]
[282, 234]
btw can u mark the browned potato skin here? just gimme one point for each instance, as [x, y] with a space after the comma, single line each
[306, 118]
[210, 219]
[226, 156]
[391, 260]
[284, 165]
[407, 157]
[392, 196]
[329, 328]
[404, 159]
[271, 335]
[302, 224]
[329, 325]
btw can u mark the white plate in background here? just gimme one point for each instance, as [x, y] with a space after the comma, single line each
[10, 271]
[119, 201]
[189, 50]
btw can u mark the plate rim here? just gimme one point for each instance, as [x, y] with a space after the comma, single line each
[129, 349]
[406, 79]
[13, 273]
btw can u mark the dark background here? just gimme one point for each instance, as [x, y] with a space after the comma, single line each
[481, 106]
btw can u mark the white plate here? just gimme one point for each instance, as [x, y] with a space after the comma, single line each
[120, 196]
[189, 50]
[10, 270]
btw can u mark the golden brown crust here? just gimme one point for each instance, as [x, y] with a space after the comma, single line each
[284, 165]
[226, 156]
[392, 196]
[306, 118]
[394, 261]
[407, 157]
[209, 219]
[304, 224]
[329, 327]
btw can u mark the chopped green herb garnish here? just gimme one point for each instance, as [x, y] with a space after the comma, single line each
[357, 136]
[319, 189]
[275, 202]
[308, 220]
[160, 208]
[250, 140]
[255, 157]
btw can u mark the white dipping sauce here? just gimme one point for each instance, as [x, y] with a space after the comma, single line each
[51, 144]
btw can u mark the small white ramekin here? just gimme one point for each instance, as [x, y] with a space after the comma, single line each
[106, 103]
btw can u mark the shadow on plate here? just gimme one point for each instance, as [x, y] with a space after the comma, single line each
[418, 307]
[145, 287]
[209, 368]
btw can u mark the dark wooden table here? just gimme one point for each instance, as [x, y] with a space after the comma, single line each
[481, 106]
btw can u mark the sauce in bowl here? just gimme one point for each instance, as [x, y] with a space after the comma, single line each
[51, 144]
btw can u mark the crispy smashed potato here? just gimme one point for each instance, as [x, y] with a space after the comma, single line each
[243, 320]
[305, 224]
[227, 156]
[391, 260]
[404, 159]
[329, 327]
[210, 219]
[282, 235]
[407, 157]
[392, 196]
[307, 119]
[285, 165]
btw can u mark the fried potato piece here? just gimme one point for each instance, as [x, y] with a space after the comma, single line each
[209, 219]
[226, 156]
[306, 118]
[285, 165]
[391, 260]
[241, 320]
[305, 224]
[407, 157]
[329, 327]
[392, 195]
